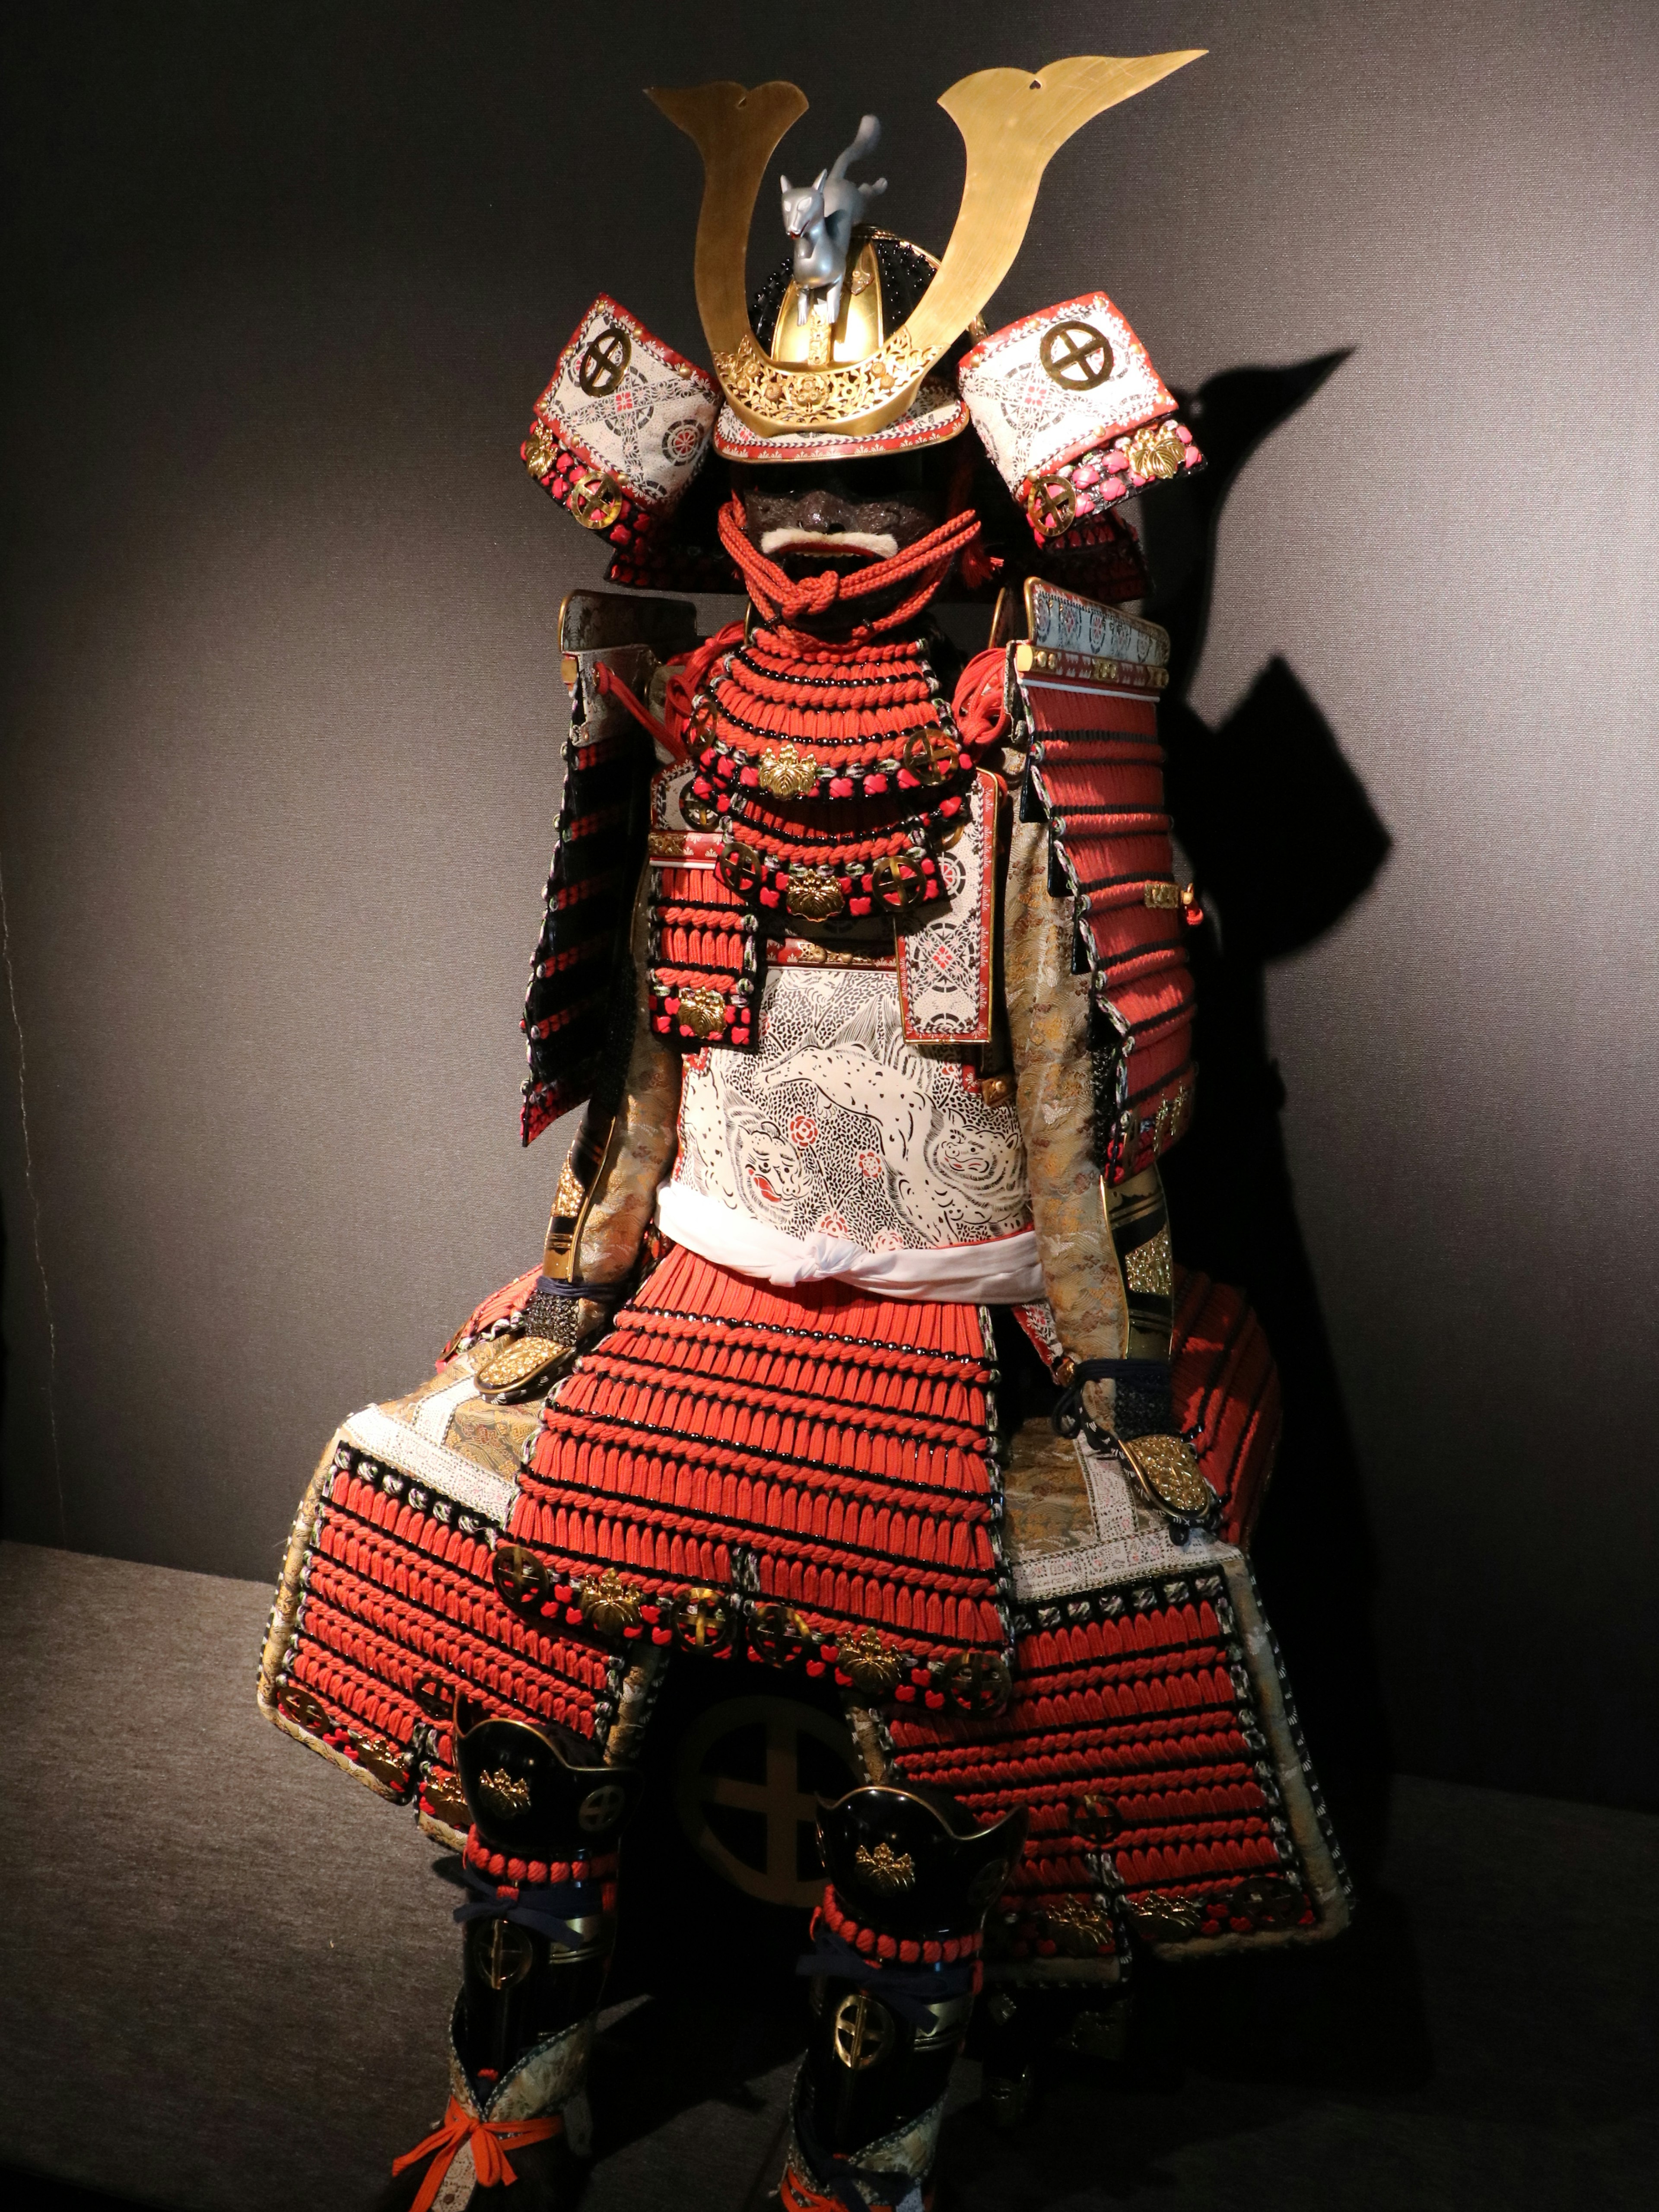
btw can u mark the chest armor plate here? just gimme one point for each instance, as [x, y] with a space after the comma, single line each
[836, 1122]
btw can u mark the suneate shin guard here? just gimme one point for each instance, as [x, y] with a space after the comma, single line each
[538, 1931]
[894, 1969]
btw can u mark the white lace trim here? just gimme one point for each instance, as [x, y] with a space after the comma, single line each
[435, 1464]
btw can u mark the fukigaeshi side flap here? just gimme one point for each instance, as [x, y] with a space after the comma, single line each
[598, 849]
[1085, 685]
[625, 426]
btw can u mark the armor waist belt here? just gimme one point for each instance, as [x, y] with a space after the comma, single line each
[1003, 1271]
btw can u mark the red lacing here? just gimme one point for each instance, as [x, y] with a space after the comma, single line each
[686, 671]
[780, 600]
[978, 704]
[540, 1874]
[893, 1950]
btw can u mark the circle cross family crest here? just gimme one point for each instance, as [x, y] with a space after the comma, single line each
[782, 1799]
[601, 368]
[1076, 356]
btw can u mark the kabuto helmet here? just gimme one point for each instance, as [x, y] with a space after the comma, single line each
[855, 345]
[886, 277]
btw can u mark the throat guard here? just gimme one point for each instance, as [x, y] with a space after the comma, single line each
[823, 781]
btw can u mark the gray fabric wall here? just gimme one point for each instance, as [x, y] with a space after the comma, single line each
[282, 710]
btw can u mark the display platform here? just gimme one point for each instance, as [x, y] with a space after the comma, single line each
[221, 1969]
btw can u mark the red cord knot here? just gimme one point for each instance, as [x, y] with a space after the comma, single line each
[778, 597]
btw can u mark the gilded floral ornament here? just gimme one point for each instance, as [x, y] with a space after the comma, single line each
[1078, 1927]
[443, 1799]
[610, 1606]
[814, 894]
[504, 1793]
[886, 1871]
[872, 1666]
[703, 1013]
[817, 398]
[541, 450]
[784, 773]
[1162, 1912]
[1155, 451]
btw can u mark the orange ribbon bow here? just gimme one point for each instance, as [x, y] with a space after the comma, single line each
[491, 2139]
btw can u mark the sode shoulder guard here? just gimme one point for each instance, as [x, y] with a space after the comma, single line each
[1083, 689]
[578, 1016]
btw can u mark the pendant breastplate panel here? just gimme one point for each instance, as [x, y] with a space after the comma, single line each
[835, 1123]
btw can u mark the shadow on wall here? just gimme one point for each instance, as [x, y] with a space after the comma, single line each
[1283, 840]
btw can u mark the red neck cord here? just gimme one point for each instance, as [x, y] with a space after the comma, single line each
[779, 599]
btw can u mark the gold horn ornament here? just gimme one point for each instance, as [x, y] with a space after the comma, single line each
[1012, 123]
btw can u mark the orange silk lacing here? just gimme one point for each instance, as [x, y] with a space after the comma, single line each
[779, 600]
[491, 2139]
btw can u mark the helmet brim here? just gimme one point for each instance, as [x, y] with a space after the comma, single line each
[935, 415]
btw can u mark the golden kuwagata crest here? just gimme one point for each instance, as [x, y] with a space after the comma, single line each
[1012, 123]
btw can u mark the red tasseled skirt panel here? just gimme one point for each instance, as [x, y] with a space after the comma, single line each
[839, 1439]
[400, 1612]
[1226, 1394]
[1127, 1733]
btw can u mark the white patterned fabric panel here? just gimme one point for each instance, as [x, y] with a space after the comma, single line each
[833, 1123]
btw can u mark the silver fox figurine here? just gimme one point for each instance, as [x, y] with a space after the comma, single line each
[820, 216]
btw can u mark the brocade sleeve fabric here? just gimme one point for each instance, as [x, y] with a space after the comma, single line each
[1048, 1037]
[642, 1144]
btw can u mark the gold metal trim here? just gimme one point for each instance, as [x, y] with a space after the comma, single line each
[1012, 123]
[1088, 667]
[579, 1182]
